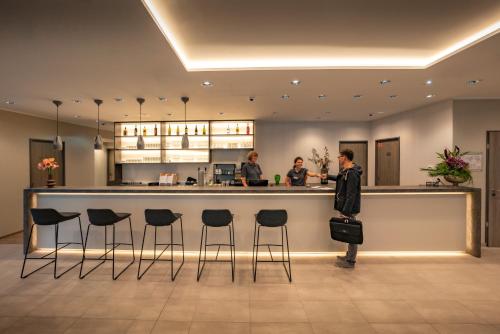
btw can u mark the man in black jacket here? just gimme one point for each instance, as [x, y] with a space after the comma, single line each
[347, 198]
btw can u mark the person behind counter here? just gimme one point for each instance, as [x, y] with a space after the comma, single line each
[251, 170]
[297, 176]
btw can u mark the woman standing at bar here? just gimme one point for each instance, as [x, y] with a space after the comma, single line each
[297, 176]
[251, 170]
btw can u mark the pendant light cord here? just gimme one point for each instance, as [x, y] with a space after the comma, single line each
[185, 118]
[98, 120]
[57, 121]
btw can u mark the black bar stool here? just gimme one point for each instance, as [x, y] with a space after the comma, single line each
[217, 218]
[271, 218]
[105, 218]
[46, 217]
[159, 218]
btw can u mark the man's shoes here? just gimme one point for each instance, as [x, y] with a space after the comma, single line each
[345, 264]
[341, 257]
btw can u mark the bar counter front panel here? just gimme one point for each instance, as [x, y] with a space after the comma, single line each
[395, 218]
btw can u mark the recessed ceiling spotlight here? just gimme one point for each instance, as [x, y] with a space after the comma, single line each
[162, 99]
[393, 96]
[321, 96]
[295, 82]
[370, 115]
[221, 113]
[118, 99]
[384, 82]
[429, 96]
[285, 97]
[275, 112]
[251, 98]
[357, 96]
[77, 116]
[169, 114]
[328, 112]
[207, 83]
[10, 102]
[428, 82]
[473, 82]
[126, 115]
[77, 100]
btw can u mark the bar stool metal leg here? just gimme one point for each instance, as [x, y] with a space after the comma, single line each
[55, 252]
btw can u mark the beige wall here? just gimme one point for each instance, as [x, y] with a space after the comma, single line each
[471, 120]
[279, 143]
[15, 132]
[422, 132]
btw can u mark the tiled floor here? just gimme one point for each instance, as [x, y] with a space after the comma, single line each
[382, 295]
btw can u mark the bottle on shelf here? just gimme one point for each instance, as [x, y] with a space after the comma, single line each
[237, 129]
[177, 131]
[204, 130]
[228, 131]
[248, 129]
[196, 130]
[169, 130]
[156, 131]
[186, 130]
[135, 131]
[144, 132]
[125, 131]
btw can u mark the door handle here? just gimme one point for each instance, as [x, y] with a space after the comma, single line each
[493, 193]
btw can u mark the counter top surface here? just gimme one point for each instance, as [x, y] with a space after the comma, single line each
[313, 189]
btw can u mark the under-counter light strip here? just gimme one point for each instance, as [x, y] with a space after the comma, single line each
[237, 193]
[147, 253]
[312, 63]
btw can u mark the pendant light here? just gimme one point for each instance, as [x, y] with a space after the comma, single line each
[98, 138]
[185, 138]
[140, 139]
[57, 143]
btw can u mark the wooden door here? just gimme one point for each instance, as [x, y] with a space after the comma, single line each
[493, 189]
[40, 149]
[360, 150]
[387, 162]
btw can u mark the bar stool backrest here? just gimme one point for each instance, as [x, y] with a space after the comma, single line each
[102, 217]
[159, 217]
[216, 218]
[46, 216]
[272, 218]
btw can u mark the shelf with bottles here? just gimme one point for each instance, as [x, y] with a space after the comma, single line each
[194, 128]
[130, 143]
[244, 128]
[138, 156]
[134, 129]
[175, 142]
[186, 156]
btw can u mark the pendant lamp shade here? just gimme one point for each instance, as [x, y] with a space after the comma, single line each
[98, 139]
[140, 139]
[57, 142]
[185, 138]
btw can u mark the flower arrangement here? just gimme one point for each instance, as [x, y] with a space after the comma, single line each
[321, 162]
[48, 164]
[452, 167]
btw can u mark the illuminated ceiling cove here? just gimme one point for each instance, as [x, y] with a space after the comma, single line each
[219, 35]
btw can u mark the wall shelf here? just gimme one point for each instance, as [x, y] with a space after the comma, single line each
[165, 146]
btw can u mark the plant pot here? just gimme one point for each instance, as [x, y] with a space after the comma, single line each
[454, 180]
[324, 171]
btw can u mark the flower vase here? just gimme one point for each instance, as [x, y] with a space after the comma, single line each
[324, 171]
[454, 180]
[51, 183]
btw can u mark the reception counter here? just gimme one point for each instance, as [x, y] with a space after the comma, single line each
[395, 218]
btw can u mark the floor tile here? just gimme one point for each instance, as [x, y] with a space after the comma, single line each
[277, 311]
[345, 328]
[488, 311]
[387, 311]
[404, 329]
[222, 311]
[328, 311]
[219, 328]
[171, 327]
[281, 328]
[466, 329]
[444, 311]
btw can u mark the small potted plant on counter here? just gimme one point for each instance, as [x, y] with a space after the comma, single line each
[452, 167]
[49, 164]
[321, 162]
